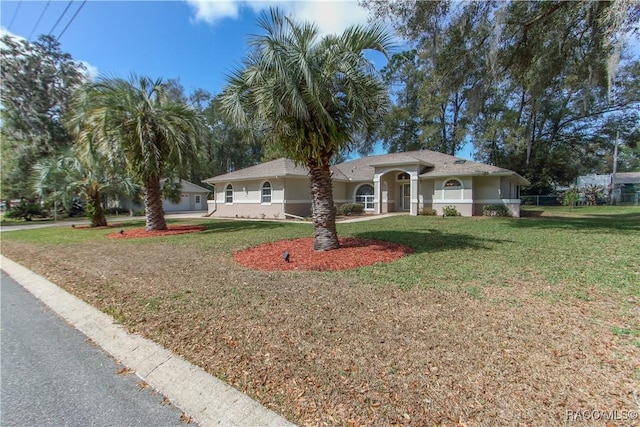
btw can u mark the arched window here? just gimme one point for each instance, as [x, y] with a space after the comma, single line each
[364, 195]
[266, 192]
[403, 177]
[228, 194]
[452, 183]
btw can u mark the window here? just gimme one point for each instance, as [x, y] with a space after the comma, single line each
[403, 176]
[364, 195]
[452, 183]
[228, 194]
[266, 192]
[197, 199]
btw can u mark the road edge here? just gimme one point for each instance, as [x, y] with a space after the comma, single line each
[205, 398]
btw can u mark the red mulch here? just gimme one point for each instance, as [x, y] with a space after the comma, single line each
[353, 253]
[137, 233]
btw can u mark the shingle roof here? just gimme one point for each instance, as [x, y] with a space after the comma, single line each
[188, 187]
[434, 164]
[279, 167]
[628, 177]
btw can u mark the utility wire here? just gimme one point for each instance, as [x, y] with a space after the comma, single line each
[15, 13]
[72, 18]
[46, 6]
[58, 21]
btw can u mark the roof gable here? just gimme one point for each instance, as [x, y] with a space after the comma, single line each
[188, 187]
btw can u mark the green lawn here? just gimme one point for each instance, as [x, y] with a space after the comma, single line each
[489, 320]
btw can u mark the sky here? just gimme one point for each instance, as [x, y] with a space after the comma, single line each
[199, 42]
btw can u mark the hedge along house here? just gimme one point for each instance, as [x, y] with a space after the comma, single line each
[400, 182]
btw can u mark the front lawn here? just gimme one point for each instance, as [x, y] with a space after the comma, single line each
[490, 322]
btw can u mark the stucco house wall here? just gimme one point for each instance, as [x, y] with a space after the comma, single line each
[486, 187]
[401, 181]
[426, 194]
[192, 198]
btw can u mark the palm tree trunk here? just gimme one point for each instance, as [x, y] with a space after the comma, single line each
[324, 212]
[97, 214]
[153, 204]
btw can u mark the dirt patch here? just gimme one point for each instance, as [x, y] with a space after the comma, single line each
[353, 253]
[138, 233]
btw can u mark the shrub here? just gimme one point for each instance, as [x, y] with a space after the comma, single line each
[351, 209]
[571, 197]
[592, 194]
[24, 210]
[495, 210]
[450, 211]
[428, 212]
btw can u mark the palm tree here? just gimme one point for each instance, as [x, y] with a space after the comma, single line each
[82, 171]
[138, 120]
[313, 95]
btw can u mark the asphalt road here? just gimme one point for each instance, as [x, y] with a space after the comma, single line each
[52, 375]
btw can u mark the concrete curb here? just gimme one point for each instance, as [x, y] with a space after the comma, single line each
[206, 399]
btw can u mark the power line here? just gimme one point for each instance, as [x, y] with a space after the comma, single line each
[72, 18]
[15, 12]
[38, 22]
[58, 21]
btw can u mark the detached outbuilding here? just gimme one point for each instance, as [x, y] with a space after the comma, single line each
[399, 182]
[192, 198]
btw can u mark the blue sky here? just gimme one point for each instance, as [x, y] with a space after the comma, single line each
[197, 41]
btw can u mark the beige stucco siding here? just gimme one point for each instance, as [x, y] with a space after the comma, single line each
[463, 193]
[486, 187]
[508, 189]
[297, 189]
[425, 193]
[341, 192]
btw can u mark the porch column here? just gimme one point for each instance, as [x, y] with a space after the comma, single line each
[413, 209]
[377, 191]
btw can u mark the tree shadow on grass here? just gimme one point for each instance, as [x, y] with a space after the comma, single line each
[616, 223]
[432, 240]
[223, 226]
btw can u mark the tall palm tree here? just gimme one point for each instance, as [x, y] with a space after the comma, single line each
[138, 120]
[312, 94]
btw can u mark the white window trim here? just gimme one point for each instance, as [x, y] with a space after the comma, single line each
[226, 188]
[452, 187]
[373, 196]
[262, 202]
[404, 179]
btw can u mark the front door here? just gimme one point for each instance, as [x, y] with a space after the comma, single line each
[406, 197]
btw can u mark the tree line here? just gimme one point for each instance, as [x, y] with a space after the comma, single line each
[545, 88]
[54, 147]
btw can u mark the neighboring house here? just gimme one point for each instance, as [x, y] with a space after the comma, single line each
[625, 186]
[401, 182]
[192, 198]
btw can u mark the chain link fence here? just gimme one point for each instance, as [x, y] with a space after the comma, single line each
[624, 199]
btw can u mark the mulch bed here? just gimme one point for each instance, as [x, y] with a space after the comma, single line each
[353, 253]
[138, 233]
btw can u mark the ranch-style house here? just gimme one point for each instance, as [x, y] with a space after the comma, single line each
[400, 182]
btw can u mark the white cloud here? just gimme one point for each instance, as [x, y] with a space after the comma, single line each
[331, 16]
[92, 71]
[214, 11]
